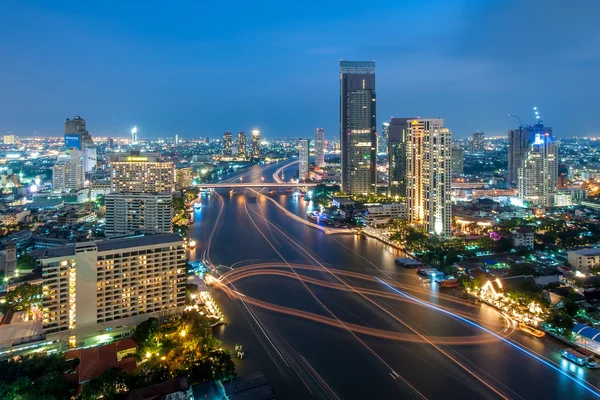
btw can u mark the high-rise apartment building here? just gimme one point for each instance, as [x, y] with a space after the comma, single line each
[519, 143]
[458, 161]
[142, 172]
[68, 174]
[227, 142]
[255, 144]
[107, 287]
[77, 137]
[138, 213]
[477, 142]
[358, 120]
[319, 147]
[184, 176]
[241, 145]
[382, 139]
[429, 175]
[11, 139]
[134, 136]
[538, 175]
[303, 159]
[397, 157]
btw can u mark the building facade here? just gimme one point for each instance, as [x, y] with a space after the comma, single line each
[95, 289]
[77, 137]
[584, 260]
[458, 161]
[227, 143]
[11, 139]
[519, 142]
[184, 177]
[381, 214]
[538, 175]
[303, 159]
[241, 145]
[319, 145]
[477, 142]
[397, 158]
[382, 139]
[137, 213]
[429, 175]
[142, 172]
[255, 144]
[358, 120]
[68, 173]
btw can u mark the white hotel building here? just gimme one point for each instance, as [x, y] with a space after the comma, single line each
[96, 290]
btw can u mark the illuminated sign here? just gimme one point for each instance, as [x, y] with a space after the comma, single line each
[137, 158]
[363, 144]
[360, 131]
[73, 142]
[538, 139]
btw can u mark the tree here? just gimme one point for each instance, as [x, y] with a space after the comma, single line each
[24, 296]
[25, 261]
[562, 322]
[107, 385]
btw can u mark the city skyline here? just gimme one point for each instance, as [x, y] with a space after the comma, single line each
[470, 80]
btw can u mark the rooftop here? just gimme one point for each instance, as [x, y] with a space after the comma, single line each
[587, 252]
[115, 244]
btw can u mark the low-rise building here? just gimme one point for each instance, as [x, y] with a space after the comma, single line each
[384, 213]
[523, 237]
[13, 217]
[584, 260]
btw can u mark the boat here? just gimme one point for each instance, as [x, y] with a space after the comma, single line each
[407, 262]
[363, 236]
[197, 205]
[449, 282]
[574, 356]
[532, 331]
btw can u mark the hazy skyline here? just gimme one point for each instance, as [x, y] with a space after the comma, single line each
[198, 69]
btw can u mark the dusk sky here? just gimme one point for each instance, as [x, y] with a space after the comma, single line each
[198, 68]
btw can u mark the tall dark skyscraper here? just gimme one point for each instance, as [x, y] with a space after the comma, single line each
[77, 137]
[227, 142]
[397, 157]
[519, 143]
[358, 121]
[241, 145]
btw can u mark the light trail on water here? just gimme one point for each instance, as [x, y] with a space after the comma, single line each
[580, 382]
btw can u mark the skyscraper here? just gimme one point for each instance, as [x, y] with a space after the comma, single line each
[538, 175]
[382, 139]
[77, 137]
[227, 142]
[142, 173]
[134, 136]
[358, 120]
[241, 145]
[68, 174]
[458, 161]
[255, 144]
[303, 159]
[519, 142]
[477, 140]
[397, 157]
[428, 175]
[319, 147]
[11, 139]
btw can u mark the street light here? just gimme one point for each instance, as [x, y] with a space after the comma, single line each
[182, 333]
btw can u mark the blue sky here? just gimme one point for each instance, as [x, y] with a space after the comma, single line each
[199, 68]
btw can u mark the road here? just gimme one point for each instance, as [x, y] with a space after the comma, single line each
[314, 318]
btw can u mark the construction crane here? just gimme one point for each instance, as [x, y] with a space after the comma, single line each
[517, 117]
